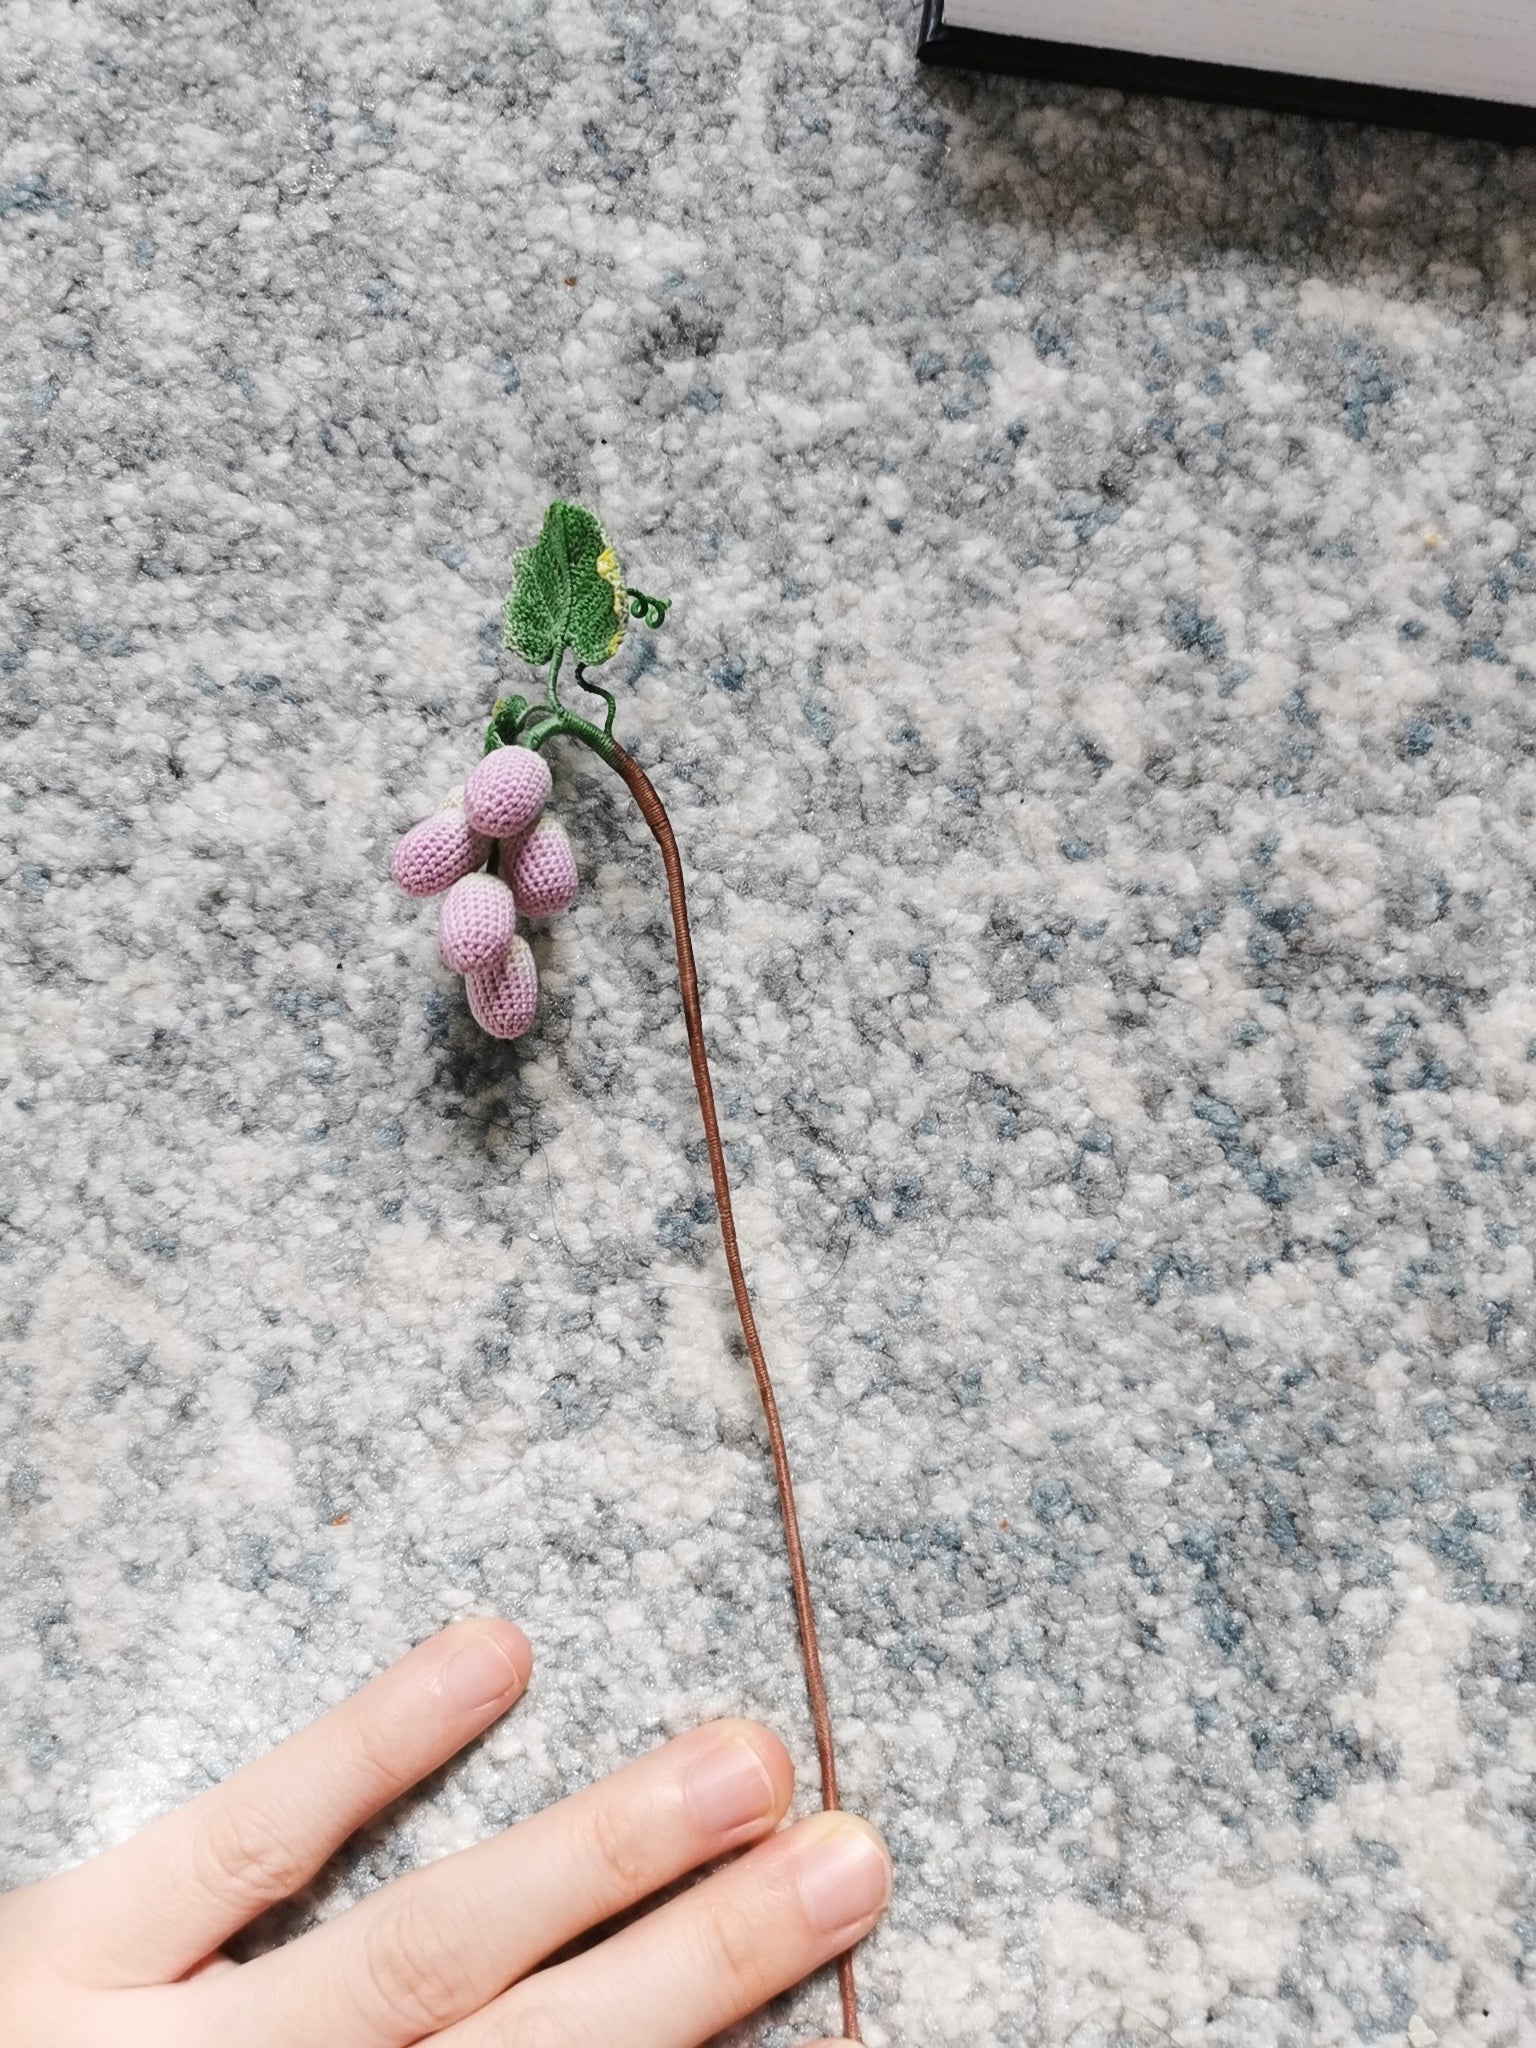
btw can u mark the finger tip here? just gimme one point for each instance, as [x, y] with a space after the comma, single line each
[845, 1872]
[499, 1630]
[838, 1821]
[878, 1840]
[511, 1641]
[519, 1647]
[486, 1663]
[771, 1754]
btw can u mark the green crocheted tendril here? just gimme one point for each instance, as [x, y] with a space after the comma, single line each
[652, 609]
[568, 596]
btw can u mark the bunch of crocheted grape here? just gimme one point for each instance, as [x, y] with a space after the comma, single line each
[499, 807]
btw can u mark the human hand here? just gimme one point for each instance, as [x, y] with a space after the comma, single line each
[126, 1948]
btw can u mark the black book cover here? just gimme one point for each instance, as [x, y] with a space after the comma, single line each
[971, 49]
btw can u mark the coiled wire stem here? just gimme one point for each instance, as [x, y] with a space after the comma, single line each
[540, 723]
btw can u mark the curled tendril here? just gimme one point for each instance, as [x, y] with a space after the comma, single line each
[653, 610]
[517, 722]
[597, 690]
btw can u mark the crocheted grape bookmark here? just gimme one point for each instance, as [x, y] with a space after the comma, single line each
[498, 861]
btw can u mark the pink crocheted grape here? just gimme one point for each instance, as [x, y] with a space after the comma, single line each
[503, 997]
[476, 923]
[507, 791]
[434, 854]
[543, 871]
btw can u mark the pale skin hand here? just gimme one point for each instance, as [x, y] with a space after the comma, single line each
[125, 1949]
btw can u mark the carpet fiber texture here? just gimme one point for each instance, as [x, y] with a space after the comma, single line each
[1097, 713]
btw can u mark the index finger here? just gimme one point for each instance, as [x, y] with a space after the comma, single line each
[165, 1899]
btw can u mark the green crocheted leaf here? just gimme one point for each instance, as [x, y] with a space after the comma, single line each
[567, 591]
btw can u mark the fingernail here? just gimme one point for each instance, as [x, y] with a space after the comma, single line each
[845, 1878]
[481, 1673]
[728, 1787]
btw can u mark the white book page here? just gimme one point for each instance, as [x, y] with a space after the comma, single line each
[1478, 49]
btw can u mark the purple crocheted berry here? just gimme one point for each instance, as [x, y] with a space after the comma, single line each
[543, 871]
[476, 923]
[503, 997]
[434, 854]
[507, 791]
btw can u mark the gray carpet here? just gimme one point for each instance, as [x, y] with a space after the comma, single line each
[1097, 711]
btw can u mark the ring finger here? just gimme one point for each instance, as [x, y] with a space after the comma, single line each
[437, 1945]
[705, 1960]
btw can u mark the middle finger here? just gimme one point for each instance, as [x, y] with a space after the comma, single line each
[437, 1945]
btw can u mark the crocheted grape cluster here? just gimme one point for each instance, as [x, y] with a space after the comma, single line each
[500, 807]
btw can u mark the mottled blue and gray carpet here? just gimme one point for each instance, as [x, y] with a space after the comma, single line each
[1098, 713]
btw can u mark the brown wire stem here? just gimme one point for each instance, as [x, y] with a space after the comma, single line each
[654, 812]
